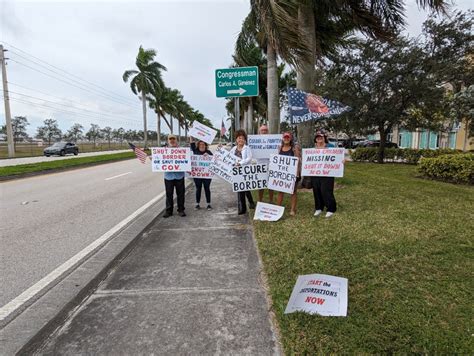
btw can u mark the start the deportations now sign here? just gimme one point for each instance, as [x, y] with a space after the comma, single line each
[268, 212]
[202, 132]
[263, 146]
[282, 172]
[249, 177]
[200, 167]
[326, 162]
[170, 159]
[222, 163]
[319, 294]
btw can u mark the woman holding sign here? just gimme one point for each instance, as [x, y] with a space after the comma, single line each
[244, 155]
[201, 148]
[289, 148]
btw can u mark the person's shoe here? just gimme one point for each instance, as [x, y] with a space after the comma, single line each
[242, 212]
[318, 212]
[197, 207]
[329, 214]
[209, 207]
[182, 214]
[167, 215]
[292, 213]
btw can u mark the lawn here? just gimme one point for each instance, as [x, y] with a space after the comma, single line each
[405, 245]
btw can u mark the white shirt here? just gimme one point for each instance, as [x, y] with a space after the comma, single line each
[246, 155]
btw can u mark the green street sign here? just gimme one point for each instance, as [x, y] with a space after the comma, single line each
[237, 82]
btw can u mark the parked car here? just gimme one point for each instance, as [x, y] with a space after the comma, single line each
[376, 143]
[336, 143]
[61, 148]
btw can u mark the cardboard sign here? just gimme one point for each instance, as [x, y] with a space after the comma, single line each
[222, 163]
[268, 212]
[326, 162]
[170, 159]
[202, 132]
[249, 177]
[263, 146]
[282, 172]
[200, 167]
[319, 294]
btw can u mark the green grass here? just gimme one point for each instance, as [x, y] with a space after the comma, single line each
[405, 245]
[25, 169]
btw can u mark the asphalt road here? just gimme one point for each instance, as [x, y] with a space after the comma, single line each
[47, 219]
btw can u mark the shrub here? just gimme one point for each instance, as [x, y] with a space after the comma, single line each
[404, 155]
[449, 168]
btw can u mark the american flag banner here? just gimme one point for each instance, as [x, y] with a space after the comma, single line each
[306, 106]
[223, 129]
[141, 155]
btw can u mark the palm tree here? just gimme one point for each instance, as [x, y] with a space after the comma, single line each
[146, 79]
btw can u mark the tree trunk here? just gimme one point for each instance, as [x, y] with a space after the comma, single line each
[158, 129]
[179, 133]
[171, 124]
[250, 117]
[185, 132]
[244, 122]
[381, 150]
[273, 110]
[145, 136]
[305, 73]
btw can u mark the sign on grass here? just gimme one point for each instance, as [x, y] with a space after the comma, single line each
[263, 146]
[170, 159]
[326, 162]
[222, 163]
[282, 172]
[319, 294]
[268, 212]
[202, 132]
[249, 177]
[200, 167]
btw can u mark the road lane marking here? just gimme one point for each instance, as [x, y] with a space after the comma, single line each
[67, 267]
[120, 175]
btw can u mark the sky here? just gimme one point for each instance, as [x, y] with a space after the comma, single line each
[66, 58]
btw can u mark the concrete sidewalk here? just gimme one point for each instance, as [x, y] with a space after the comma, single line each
[190, 286]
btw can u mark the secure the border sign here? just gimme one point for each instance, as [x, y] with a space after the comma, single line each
[237, 82]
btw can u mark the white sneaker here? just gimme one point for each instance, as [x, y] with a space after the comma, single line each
[318, 212]
[329, 214]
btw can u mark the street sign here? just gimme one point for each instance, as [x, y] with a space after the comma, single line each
[237, 82]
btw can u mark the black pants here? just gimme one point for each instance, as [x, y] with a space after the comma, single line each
[199, 182]
[241, 201]
[170, 185]
[323, 192]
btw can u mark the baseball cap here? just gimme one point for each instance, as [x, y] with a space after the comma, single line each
[171, 136]
[287, 134]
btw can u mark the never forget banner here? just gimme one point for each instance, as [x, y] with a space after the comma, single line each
[200, 167]
[222, 163]
[170, 159]
[326, 162]
[282, 172]
[263, 146]
[249, 177]
[202, 132]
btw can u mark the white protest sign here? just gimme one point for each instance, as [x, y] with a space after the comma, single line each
[170, 159]
[202, 132]
[222, 163]
[268, 212]
[249, 177]
[263, 146]
[200, 167]
[325, 162]
[282, 172]
[319, 294]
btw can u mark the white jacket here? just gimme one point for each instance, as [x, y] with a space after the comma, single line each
[246, 155]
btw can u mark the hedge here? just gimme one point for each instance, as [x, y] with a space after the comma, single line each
[404, 155]
[449, 168]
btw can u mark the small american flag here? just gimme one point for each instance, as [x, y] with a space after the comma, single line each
[223, 129]
[141, 155]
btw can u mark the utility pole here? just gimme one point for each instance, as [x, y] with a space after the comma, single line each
[8, 117]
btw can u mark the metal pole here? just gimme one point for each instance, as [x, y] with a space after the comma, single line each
[8, 117]
[237, 114]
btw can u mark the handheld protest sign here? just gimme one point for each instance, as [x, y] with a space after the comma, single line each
[282, 172]
[323, 162]
[202, 132]
[200, 167]
[249, 177]
[170, 159]
[268, 212]
[263, 146]
[222, 163]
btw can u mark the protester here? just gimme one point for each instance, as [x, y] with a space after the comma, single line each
[290, 148]
[263, 130]
[244, 155]
[174, 180]
[323, 187]
[201, 148]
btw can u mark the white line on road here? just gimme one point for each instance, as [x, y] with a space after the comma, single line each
[120, 175]
[67, 267]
